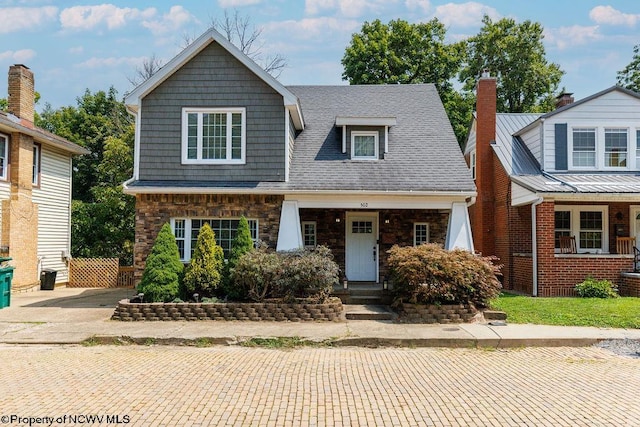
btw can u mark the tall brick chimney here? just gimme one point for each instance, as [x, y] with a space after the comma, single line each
[482, 215]
[563, 99]
[22, 93]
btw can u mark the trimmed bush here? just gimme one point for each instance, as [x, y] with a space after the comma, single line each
[163, 268]
[242, 244]
[428, 274]
[204, 272]
[308, 273]
[592, 288]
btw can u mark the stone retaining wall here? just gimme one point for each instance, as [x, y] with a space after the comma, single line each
[456, 313]
[127, 311]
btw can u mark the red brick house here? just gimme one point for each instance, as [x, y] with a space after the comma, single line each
[558, 193]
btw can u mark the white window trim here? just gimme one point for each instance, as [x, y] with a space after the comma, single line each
[199, 160]
[37, 160]
[575, 224]
[415, 234]
[5, 161]
[315, 232]
[600, 149]
[636, 146]
[376, 137]
[188, 230]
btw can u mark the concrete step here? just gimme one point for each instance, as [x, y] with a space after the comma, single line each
[368, 312]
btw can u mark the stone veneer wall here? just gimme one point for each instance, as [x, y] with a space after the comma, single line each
[331, 311]
[154, 210]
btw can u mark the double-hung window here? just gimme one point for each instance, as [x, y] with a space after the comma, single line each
[309, 234]
[4, 156]
[364, 145]
[420, 233]
[35, 177]
[588, 224]
[186, 232]
[615, 148]
[213, 135]
[638, 149]
[584, 147]
[472, 160]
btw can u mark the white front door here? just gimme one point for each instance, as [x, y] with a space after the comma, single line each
[362, 247]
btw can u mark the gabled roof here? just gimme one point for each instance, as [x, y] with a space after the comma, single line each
[423, 153]
[11, 123]
[134, 98]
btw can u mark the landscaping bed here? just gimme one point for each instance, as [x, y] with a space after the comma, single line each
[264, 311]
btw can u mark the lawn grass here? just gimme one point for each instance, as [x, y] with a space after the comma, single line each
[603, 313]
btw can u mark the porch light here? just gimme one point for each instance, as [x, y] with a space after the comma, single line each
[344, 283]
[386, 221]
[385, 284]
[337, 219]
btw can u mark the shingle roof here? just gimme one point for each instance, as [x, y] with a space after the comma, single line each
[423, 152]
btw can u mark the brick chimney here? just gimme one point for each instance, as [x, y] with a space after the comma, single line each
[482, 215]
[563, 99]
[22, 93]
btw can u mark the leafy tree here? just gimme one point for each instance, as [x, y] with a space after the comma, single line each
[514, 53]
[401, 52]
[103, 217]
[204, 272]
[161, 276]
[629, 76]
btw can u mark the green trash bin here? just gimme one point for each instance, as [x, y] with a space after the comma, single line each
[6, 274]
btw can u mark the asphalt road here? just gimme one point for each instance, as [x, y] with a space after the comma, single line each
[237, 386]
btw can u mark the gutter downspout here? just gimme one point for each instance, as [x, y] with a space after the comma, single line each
[534, 245]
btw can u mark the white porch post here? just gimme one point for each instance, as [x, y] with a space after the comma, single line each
[289, 232]
[459, 228]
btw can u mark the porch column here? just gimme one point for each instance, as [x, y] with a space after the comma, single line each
[289, 232]
[459, 229]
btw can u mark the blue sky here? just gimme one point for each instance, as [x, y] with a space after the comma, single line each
[74, 45]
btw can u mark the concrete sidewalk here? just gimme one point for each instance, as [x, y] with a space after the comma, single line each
[71, 316]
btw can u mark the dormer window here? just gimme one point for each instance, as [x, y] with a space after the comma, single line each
[364, 145]
[213, 135]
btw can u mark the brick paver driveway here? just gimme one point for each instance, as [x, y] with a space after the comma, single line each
[175, 386]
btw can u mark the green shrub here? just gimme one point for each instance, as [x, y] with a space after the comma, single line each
[592, 288]
[242, 244]
[308, 273]
[428, 274]
[204, 272]
[162, 271]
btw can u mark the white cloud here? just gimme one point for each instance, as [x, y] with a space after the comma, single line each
[94, 63]
[349, 8]
[574, 35]
[309, 28]
[175, 19]
[76, 50]
[90, 17]
[18, 56]
[237, 3]
[423, 5]
[25, 18]
[464, 14]
[610, 16]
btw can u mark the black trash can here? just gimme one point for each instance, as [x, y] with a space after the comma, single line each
[48, 279]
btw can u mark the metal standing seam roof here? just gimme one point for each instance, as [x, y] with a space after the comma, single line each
[581, 183]
[424, 154]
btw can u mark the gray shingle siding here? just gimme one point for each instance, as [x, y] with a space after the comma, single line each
[213, 78]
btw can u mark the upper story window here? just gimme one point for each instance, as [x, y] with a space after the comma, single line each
[35, 177]
[638, 148]
[4, 156]
[615, 148]
[584, 147]
[213, 135]
[364, 145]
[472, 161]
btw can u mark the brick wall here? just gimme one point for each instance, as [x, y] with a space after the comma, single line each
[21, 88]
[630, 285]
[154, 210]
